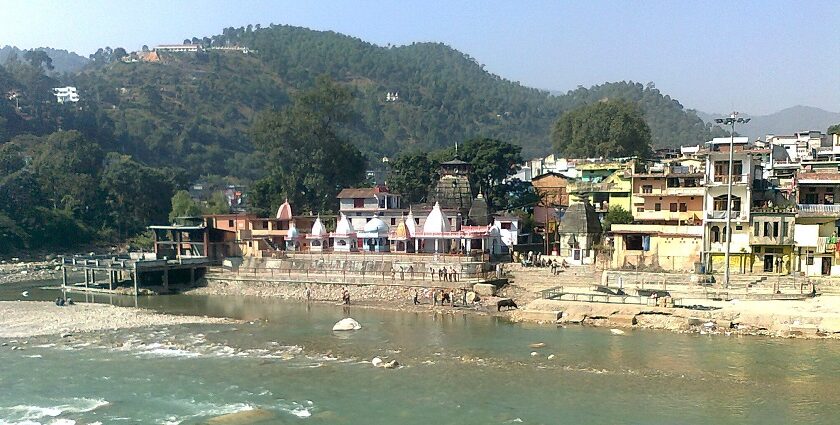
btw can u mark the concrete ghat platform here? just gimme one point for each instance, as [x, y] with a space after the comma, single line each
[766, 318]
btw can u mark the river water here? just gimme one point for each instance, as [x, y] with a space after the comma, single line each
[458, 369]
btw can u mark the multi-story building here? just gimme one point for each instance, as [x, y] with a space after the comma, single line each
[668, 194]
[362, 204]
[817, 222]
[602, 184]
[66, 94]
[746, 167]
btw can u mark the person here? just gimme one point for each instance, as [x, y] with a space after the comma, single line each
[411, 271]
[432, 273]
[454, 274]
[565, 264]
[70, 301]
[308, 293]
[402, 273]
[58, 302]
[440, 275]
[416, 296]
[435, 295]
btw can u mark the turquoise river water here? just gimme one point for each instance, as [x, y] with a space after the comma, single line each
[458, 369]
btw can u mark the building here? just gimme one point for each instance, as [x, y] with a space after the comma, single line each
[453, 190]
[66, 94]
[656, 247]
[578, 233]
[360, 205]
[668, 194]
[746, 168]
[179, 48]
[817, 222]
[600, 190]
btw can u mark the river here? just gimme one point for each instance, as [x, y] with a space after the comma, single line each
[458, 369]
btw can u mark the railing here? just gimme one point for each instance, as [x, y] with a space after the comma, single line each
[720, 215]
[591, 187]
[819, 208]
[393, 276]
[736, 178]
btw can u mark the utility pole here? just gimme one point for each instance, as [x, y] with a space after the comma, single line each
[731, 120]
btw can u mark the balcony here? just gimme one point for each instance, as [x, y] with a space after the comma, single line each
[721, 215]
[581, 187]
[819, 210]
[736, 178]
[665, 216]
[674, 191]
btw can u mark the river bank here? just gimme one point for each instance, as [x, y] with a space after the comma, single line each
[20, 271]
[23, 319]
[811, 318]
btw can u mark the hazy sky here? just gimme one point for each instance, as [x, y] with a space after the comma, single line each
[715, 56]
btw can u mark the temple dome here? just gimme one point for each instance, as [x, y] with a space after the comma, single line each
[376, 225]
[318, 228]
[436, 222]
[285, 211]
[343, 227]
[410, 224]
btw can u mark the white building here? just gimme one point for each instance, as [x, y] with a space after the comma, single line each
[66, 94]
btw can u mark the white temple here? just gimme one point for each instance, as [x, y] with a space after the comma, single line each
[318, 238]
[344, 238]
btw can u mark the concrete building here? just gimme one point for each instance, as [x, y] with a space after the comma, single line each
[66, 94]
[656, 247]
[747, 166]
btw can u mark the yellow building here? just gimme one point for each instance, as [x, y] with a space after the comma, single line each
[656, 247]
[603, 192]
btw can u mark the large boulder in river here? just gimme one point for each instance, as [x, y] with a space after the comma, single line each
[347, 324]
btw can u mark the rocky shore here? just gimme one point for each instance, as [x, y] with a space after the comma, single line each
[14, 270]
[22, 319]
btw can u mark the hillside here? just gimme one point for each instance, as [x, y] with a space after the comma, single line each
[194, 110]
[62, 60]
[786, 121]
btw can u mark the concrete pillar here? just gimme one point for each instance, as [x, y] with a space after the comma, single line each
[93, 277]
[136, 283]
[192, 275]
[111, 280]
[63, 277]
[166, 279]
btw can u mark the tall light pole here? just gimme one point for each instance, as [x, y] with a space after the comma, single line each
[730, 121]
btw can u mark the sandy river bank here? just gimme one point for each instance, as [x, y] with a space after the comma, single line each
[20, 319]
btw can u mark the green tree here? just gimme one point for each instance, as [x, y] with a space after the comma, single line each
[38, 59]
[411, 175]
[607, 129]
[67, 167]
[183, 205]
[217, 204]
[309, 159]
[617, 215]
[136, 195]
[834, 129]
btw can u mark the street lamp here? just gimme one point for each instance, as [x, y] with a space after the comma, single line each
[730, 121]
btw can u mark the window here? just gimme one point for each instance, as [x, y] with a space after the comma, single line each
[633, 242]
[725, 234]
[810, 198]
[393, 221]
[230, 223]
[640, 209]
[784, 229]
[683, 207]
[766, 229]
[507, 226]
[673, 207]
[776, 229]
[810, 260]
[720, 203]
[358, 202]
[657, 207]
[739, 227]
[756, 229]
[715, 234]
[647, 189]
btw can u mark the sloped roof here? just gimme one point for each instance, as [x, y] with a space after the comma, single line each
[285, 211]
[318, 228]
[580, 218]
[410, 224]
[436, 222]
[343, 227]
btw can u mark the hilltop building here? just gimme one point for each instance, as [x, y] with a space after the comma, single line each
[66, 94]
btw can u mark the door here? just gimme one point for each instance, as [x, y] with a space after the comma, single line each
[768, 263]
[826, 266]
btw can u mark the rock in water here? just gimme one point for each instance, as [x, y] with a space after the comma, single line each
[393, 364]
[615, 331]
[347, 324]
[244, 417]
[376, 362]
[537, 345]
[551, 356]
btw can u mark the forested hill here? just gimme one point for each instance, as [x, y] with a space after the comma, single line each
[194, 110]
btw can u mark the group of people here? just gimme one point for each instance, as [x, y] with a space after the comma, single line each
[436, 296]
[557, 266]
[444, 274]
[61, 302]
